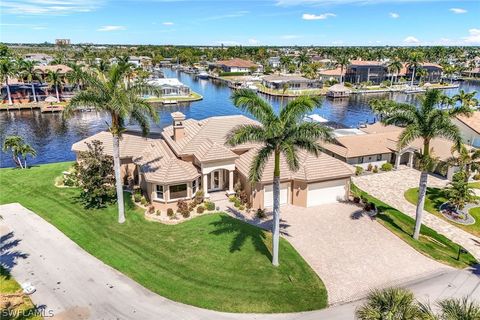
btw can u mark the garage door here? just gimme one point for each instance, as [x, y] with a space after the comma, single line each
[325, 192]
[268, 194]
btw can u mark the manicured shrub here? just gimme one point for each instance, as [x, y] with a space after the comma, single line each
[375, 169]
[232, 198]
[151, 209]
[261, 214]
[386, 166]
[158, 213]
[241, 207]
[137, 196]
[191, 206]
[199, 195]
[237, 203]
[358, 170]
[170, 213]
[369, 167]
[200, 209]
[183, 209]
[210, 206]
[143, 200]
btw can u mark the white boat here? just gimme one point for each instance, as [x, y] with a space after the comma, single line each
[315, 118]
[170, 102]
[203, 75]
[414, 90]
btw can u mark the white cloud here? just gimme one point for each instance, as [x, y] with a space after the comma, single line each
[458, 10]
[111, 28]
[227, 16]
[168, 23]
[323, 16]
[49, 7]
[290, 36]
[394, 15]
[473, 36]
[253, 41]
[411, 40]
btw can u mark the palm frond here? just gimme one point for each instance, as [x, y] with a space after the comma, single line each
[259, 162]
[314, 131]
[246, 133]
[249, 101]
[291, 156]
[297, 108]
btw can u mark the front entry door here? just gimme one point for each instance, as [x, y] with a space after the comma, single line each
[215, 178]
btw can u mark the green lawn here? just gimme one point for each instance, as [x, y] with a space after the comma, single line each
[430, 243]
[24, 308]
[214, 261]
[433, 201]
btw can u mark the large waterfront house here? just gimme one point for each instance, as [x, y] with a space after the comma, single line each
[237, 65]
[376, 144]
[291, 82]
[171, 87]
[331, 75]
[366, 71]
[469, 128]
[433, 72]
[190, 155]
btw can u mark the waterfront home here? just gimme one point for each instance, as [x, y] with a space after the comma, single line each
[366, 71]
[171, 87]
[433, 72]
[331, 75]
[291, 82]
[274, 62]
[472, 73]
[141, 61]
[190, 155]
[469, 128]
[39, 58]
[238, 65]
[60, 68]
[376, 144]
[338, 91]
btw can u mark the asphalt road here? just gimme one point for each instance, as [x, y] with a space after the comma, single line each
[71, 284]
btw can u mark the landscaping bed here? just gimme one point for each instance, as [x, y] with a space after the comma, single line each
[430, 243]
[213, 261]
[434, 199]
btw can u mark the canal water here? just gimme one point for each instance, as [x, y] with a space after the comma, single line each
[53, 137]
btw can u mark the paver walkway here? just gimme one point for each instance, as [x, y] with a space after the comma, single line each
[390, 187]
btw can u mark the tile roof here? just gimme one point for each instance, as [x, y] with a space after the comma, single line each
[285, 78]
[472, 122]
[131, 144]
[236, 62]
[159, 164]
[366, 63]
[212, 151]
[57, 67]
[332, 72]
[311, 168]
[198, 131]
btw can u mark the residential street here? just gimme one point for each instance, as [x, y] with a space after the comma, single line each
[74, 285]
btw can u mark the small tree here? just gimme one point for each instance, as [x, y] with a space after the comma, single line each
[95, 176]
[459, 192]
[19, 149]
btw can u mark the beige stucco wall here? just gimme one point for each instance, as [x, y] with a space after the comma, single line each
[371, 159]
[299, 193]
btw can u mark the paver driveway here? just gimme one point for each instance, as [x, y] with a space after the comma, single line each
[352, 253]
[390, 187]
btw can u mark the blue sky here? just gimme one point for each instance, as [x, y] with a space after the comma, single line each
[245, 22]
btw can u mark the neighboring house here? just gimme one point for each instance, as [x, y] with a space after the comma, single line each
[472, 73]
[366, 71]
[141, 61]
[374, 145]
[470, 129]
[237, 65]
[274, 62]
[331, 74]
[434, 73]
[293, 82]
[171, 87]
[40, 58]
[192, 155]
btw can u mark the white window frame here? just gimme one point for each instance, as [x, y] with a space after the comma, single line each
[173, 199]
[157, 191]
[194, 187]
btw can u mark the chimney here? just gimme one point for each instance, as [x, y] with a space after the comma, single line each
[178, 127]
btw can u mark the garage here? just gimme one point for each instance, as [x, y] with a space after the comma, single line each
[268, 194]
[325, 192]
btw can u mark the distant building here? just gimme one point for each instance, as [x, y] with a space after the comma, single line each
[171, 87]
[434, 72]
[39, 58]
[237, 65]
[274, 62]
[331, 74]
[473, 73]
[62, 42]
[292, 82]
[366, 71]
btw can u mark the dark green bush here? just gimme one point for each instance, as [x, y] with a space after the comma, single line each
[200, 209]
[170, 213]
[210, 206]
[386, 167]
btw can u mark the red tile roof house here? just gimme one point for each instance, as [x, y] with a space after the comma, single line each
[238, 65]
[191, 154]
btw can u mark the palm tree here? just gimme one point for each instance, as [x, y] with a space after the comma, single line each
[54, 79]
[342, 62]
[29, 71]
[394, 67]
[465, 159]
[414, 61]
[76, 74]
[285, 61]
[466, 99]
[110, 94]
[449, 71]
[277, 134]
[7, 69]
[422, 72]
[453, 309]
[303, 59]
[14, 144]
[425, 122]
[389, 304]
[26, 150]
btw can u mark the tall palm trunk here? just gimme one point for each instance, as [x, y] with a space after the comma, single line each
[8, 93]
[56, 90]
[34, 94]
[422, 191]
[276, 210]
[118, 180]
[413, 77]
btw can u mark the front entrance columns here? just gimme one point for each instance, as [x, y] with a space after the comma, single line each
[230, 182]
[398, 157]
[205, 185]
[410, 159]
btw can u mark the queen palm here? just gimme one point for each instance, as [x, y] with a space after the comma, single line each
[394, 67]
[76, 74]
[278, 135]
[110, 94]
[426, 123]
[466, 159]
[466, 98]
[414, 61]
[54, 79]
[342, 61]
[29, 71]
[8, 68]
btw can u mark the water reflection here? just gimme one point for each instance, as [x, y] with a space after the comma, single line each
[53, 136]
